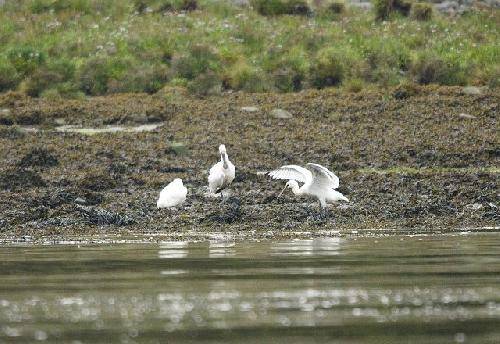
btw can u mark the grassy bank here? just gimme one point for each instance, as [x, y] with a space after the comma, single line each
[54, 48]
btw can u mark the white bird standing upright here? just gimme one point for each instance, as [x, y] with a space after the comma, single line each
[172, 195]
[318, 182]
[222, 173]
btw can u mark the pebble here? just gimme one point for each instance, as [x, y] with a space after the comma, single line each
[466, 116]
[281, 114]
[250, 109]
[472, 90]
[474, 206]
[80, 200]
[178, 148]
[60, 121]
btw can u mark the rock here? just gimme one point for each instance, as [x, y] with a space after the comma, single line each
[241, 3]
[177, 148]
[6, 117]
[250, 109]
[80, 201]
[447, 7]
[281, 114]
[466, 116]
[60, 121]
[472, 90]
[140, 118]
[366, 6]
[474, 206]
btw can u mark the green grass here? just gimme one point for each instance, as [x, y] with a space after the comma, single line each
[70, 47]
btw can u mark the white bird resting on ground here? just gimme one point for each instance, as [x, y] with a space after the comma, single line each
[172, 195]
[221, 174]
[318, 182]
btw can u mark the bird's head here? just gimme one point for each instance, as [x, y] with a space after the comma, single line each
[292, 184]
[222, 149]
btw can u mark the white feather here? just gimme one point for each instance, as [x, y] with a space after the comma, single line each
[318, 182]
[292, 172]
[324, 175]
[172, 195]
[221, 177]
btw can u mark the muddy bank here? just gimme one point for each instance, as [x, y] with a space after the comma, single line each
[421, 161]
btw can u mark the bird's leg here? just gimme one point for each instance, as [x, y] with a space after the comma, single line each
[323, 211]
[326, 213]
[223, 200]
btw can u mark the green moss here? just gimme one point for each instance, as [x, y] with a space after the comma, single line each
[354, 85]
[428, 67]
[289, 69]
[280, 7]
[93, 76]
[405, 90]
[336, 7]
[200, 59]
[328, 68]
[385, 8]
[493, 78]
[144, 6]
[26, 59]
[206, 84]
[40, 6]
[139, 78]
[244, 77]
[9, 77]
[422, 11]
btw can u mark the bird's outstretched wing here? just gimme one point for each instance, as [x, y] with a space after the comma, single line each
[294, 172]
[324, 175]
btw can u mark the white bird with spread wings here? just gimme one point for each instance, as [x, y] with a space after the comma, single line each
[317, 181]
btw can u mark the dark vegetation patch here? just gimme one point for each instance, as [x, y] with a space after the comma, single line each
[336, 7]
[422, 11]
[39, 157]
[98, 181]
[150, 6]
[281, 7]
[20, 179]
[229, 211]
[58, 198]
[11, 132]
[100, 216]
[385, 8]
[405, 90]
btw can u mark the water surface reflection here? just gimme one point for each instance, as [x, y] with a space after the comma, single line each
[430, 289]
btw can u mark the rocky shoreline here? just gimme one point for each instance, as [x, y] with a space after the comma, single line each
[420, 161]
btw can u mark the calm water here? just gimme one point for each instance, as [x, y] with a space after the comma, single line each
[400, 289]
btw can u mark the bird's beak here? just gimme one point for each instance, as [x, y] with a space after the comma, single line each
[281, 192]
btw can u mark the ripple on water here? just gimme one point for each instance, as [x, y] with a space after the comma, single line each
[358, 288]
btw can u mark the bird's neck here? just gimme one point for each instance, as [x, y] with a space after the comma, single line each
[296, 190]
[224, 159]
